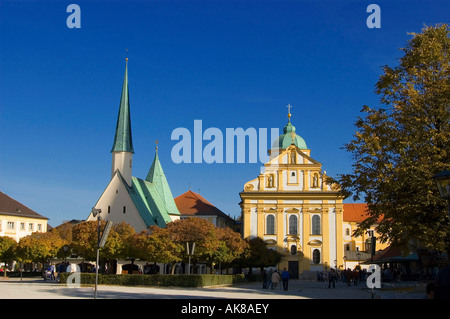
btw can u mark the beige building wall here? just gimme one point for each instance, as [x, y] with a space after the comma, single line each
[18, 226]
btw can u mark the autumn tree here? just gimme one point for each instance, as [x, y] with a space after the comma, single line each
[156, 245]
[198, 231]
[399, 145]
[119, 244]
[231, 246]
[84, 239]
[39, 247]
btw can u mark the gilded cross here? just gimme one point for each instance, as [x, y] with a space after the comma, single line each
[289, 108]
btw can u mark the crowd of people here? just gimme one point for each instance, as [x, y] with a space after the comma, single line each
[272, 278]
[351, 277]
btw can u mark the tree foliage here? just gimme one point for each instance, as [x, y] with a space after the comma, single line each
[258, 255]
[39, 247]
[7, 248]
[399, 145]
[164, 245]
[156, 245]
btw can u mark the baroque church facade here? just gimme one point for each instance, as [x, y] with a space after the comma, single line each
[293, 209]
[138, 202]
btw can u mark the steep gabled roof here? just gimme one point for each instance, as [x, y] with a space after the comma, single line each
[193, 204]
[149, 203]
[147, 200]
[157, 177]
[9, 206]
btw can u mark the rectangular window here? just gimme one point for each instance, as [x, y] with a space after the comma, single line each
[30, 227]
[270, 225]
[11, 225]
[39, 227]
[124, 209]
[109, 209]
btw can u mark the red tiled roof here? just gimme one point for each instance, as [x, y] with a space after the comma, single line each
[355, 212]
[193, 204]
[9, 206]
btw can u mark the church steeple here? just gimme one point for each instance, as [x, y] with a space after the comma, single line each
[122, 149]
[123, 141]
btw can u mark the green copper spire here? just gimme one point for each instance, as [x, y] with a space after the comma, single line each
[122, 140]
[157, 177]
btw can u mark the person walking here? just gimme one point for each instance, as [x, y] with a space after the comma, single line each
[264, 277]
[269, 278]
[275, 279]
[285, 276]
[52, 271]
[332, 278]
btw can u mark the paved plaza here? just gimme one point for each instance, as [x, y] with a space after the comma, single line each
[32, 288]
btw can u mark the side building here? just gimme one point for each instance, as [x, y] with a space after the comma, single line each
[358, 249]
[17, 220]
[138, 202]
[191, 204]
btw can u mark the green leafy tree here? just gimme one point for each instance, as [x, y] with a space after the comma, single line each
[258, 255]
[7, 250]
[399, 145]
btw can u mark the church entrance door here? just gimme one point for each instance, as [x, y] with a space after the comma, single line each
[293, 269]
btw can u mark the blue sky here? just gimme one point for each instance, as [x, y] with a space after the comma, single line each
[228, 63]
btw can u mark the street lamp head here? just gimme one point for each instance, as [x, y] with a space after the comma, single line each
[442, 181]
[95, 211]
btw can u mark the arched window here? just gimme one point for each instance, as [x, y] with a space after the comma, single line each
[293, 225]
[347, 232]
[316, 225]
[270, 225]
[316, 256]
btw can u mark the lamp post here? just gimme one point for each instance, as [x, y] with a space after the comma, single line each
[190, 248]
[96, 212]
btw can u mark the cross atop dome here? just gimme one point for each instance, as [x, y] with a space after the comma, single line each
[289, 111]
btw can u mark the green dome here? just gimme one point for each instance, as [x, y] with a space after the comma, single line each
[288, 138]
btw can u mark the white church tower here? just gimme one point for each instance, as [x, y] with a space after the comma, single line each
[138, 202]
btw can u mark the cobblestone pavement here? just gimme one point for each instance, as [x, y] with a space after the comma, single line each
[29, 288]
